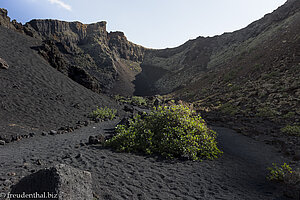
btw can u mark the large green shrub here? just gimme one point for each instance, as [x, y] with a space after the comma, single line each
[169, 131]
[103, 113]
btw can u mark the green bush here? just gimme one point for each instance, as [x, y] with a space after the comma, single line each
[278, 173]
[291, 130]
[169, 131]
[103, 113]
[139, 101]
[135, 100]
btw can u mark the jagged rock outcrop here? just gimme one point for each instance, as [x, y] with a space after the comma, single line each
[5, 20]
[119, 44]
[87, 53]
[60, 182]
[90, 48]
[52, 54]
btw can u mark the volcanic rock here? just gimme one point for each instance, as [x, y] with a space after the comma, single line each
[64, 181]
[99, 139]
[3, 64]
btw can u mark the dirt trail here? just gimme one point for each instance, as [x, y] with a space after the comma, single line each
[247, 149]
[239, 174]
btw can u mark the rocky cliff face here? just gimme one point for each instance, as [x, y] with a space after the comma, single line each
[97, 53]
[87, 53]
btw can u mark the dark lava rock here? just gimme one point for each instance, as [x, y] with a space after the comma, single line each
[128, 108]
[38, 162]
[3, 64]
[292, 182]
[2, 142]
[52, 132]
[297, 156]
[44, 133]
[82, 77]
[64, 181]
[78, 155]
[31, 134]
[7, 183]
[124, 121]
[99, 139]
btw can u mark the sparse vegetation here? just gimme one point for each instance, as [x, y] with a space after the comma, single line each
[103, 113]
[289, 115]
[234, 88]
[266, 112]
[229, 108]
[134, 100]
[170, 131]
[277, 173]
[271, 75]
[139, 101]
[292, 130]
[229, 76]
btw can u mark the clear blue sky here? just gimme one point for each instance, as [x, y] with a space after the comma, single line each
[151, 23]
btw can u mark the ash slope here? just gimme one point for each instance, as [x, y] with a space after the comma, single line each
[33, 95]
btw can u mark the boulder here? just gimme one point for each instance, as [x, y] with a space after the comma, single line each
[61, 181]
[99, 139]
[128, 108]
[53, 132]
[3, 64]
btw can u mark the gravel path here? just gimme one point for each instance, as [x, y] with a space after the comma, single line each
[239, 174]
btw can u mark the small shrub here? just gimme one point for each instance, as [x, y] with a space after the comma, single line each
[135, 100]
[170, 131]
[289, 115]
[139, 101]
[103, 113]
[121, 99]
[230, 109]
[229, 76]
[266, 112]
[291, 130]
[278, 173]
[118, 97]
